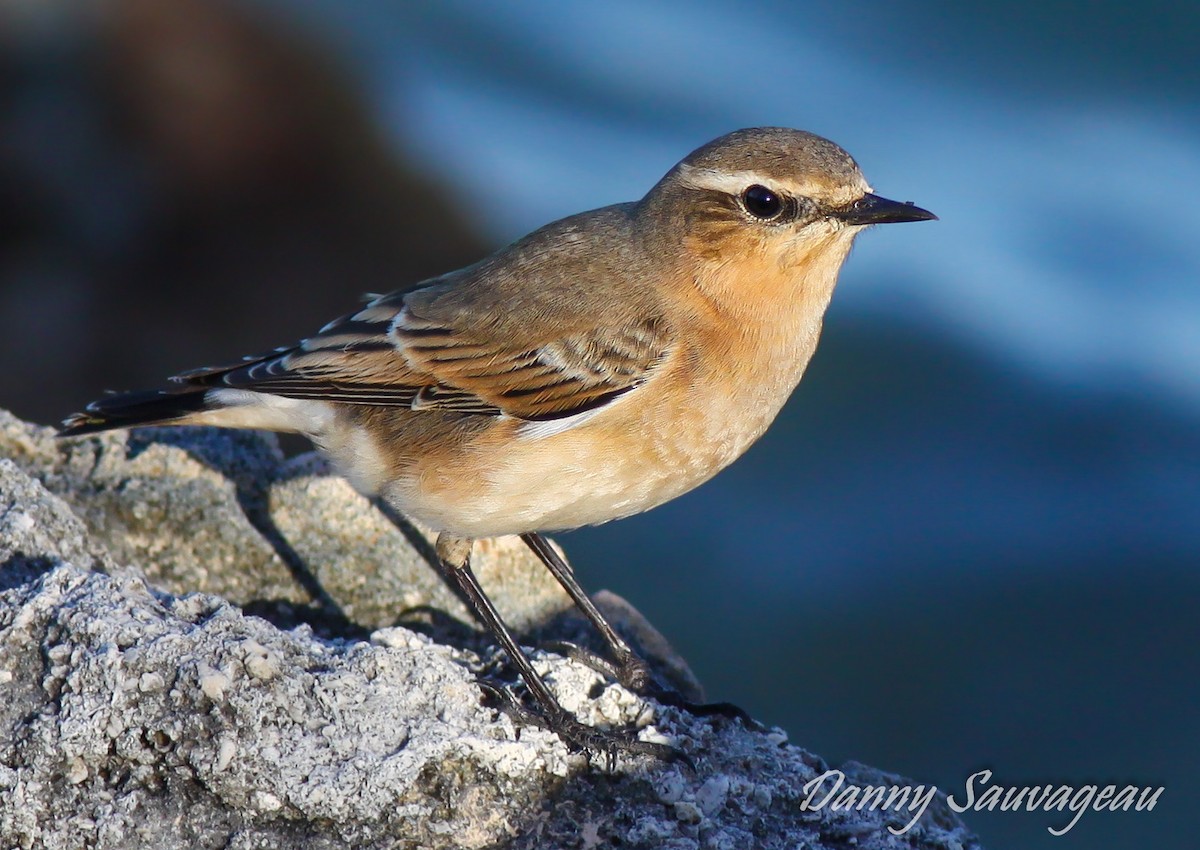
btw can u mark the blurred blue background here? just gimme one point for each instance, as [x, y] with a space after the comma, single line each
[971, 540]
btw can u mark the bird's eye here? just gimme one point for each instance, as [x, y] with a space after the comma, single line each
[762, 203]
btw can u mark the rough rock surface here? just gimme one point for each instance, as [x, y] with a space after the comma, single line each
[222, 512]
[136, 716]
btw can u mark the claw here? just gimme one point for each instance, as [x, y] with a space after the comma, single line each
[579, 737]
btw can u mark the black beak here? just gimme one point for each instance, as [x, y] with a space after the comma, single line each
[872, 209]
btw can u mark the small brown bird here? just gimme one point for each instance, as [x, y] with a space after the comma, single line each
[594, 369]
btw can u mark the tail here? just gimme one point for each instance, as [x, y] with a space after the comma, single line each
[129, 410]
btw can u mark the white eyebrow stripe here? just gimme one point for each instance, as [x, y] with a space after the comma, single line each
[731, 182]
[736, 182]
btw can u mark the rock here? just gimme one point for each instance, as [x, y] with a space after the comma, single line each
[222, 512]
[133, 716]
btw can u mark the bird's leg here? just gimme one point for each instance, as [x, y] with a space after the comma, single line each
[630, 670]
[454, 557]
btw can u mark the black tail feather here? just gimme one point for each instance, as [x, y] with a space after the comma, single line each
[127, 410]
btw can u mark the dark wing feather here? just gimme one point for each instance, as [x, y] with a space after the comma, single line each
[548, 376]
[350, 360]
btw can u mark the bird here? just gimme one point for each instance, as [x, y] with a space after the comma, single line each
[596, 368]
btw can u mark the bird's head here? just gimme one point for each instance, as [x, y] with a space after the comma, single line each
[768, 199]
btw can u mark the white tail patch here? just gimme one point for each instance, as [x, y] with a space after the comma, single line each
[248, 409]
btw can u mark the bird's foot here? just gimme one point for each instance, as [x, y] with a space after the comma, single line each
[672, 697]
[633, 673]
[578, 736]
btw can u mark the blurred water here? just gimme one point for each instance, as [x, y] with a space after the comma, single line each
[1065, 246]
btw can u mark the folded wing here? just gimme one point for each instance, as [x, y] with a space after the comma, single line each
[427, 349]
